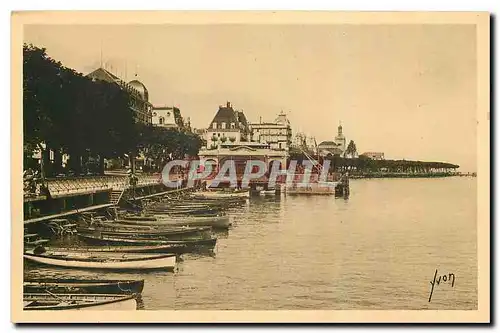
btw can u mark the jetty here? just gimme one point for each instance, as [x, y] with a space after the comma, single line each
[63, 197]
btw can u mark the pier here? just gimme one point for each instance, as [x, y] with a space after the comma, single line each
[62, 197]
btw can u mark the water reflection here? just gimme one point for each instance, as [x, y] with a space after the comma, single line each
[376, 250]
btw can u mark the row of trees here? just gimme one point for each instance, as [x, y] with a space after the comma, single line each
[364, 164]
[68, 113]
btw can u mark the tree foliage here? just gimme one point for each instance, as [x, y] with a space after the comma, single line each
[364, 164]
[161, 145]
[351, 150]
[67, 112]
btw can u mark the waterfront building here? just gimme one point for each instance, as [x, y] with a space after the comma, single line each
[240, 153]
[228, 125]
[336, 147]
[139, 95]
[277, 134]
[329, 148]
[164, 116]
[374, 155]
[228, 137]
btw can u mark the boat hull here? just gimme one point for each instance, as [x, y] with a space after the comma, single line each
[40, 301]
[166, 262]
[139, 249]
[77, 286]
[222, 196]
[162, 220]
[172, 235]
[186, 246]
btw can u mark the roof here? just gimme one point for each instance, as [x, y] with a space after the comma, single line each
[327, 143]
[225, 114]
[137, 88]
[104, 75]
[333, 151]
[141, 88]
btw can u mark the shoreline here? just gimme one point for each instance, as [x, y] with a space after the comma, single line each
[408, 175]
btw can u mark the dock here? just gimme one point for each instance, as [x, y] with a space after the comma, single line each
[64, 197]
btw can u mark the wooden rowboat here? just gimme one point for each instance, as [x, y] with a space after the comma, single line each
[109, 240]
[139, 218]
[130, 249]
[221, 195]
[118, 262]
[124, 225]
[79, 286]
[162, 220]
[164, 234]
[50, 301]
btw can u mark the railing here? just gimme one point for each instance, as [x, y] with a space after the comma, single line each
[77, 185]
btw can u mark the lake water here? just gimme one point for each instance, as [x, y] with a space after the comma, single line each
[379, 249]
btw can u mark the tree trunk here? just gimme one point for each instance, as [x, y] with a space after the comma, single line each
[101, 165]
[57, 161]
[75, 161]
[46, 162]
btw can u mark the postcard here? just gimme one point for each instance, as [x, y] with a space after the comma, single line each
[250, 167]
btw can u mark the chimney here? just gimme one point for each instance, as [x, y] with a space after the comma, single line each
[261, 119]
[228, 104]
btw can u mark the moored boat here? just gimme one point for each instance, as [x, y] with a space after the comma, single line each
[173, 234]
[109, 240]
[221, 195]
[50, 301]
[81, 286]
[121, 261]
[165, 220]
[137, 249]
[139, 218]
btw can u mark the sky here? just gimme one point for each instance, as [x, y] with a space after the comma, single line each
[406, 90]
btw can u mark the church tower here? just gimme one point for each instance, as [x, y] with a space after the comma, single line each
[340, 138]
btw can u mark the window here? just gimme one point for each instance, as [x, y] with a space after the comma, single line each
[223, 125]
[214, 125]
[162, 120]
[218, 134]
[232, 125]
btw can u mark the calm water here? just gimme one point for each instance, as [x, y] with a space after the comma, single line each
[377, 250]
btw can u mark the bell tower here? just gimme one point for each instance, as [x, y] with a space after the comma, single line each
[340, 138]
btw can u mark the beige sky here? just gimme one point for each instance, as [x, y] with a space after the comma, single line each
[406, 90]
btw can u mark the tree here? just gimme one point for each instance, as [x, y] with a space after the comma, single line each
[351, 150]
[161, 145]
[65, 112]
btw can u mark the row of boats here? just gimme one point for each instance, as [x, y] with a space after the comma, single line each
[152, 239]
